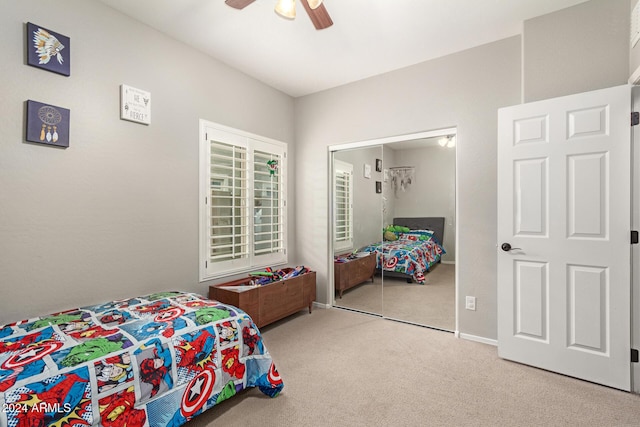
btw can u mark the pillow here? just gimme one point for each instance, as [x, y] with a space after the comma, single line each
[390, 236]
[422, 232]
[417, 235]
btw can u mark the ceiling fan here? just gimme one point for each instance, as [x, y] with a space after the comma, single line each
[315, 9]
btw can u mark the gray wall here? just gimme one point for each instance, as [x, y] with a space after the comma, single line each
[634, 54]
[116, 213]
[388, 199]
[578, 49]
[463, 90]
[433, 192]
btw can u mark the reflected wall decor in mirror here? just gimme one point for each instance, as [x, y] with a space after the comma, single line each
[395, 250]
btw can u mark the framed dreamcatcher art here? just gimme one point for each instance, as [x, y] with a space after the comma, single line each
[47, 124]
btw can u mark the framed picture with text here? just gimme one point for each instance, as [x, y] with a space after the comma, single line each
[366, 172]
[135, 104]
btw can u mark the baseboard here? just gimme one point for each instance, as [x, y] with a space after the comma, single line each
[317, 304]
[476, 338]
[448, 262]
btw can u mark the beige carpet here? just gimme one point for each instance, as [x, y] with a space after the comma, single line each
[342, 368]
[431, 304]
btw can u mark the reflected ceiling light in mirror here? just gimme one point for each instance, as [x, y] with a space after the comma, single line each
[447, 141]
[286, 8]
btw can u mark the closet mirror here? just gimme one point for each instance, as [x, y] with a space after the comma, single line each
[405, 227]
[358, 219]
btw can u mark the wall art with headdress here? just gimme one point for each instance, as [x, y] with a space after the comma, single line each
[48, 50]
[47, 124]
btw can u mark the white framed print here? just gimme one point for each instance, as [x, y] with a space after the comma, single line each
[135, 104]
[367, 171]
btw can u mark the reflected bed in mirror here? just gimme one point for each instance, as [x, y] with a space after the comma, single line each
[411, 246]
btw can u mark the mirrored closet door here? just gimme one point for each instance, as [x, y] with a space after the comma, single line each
[421, 287]
[357, 213]
[412, 239]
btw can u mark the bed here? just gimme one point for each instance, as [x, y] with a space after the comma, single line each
[157, 360]
[414, 252]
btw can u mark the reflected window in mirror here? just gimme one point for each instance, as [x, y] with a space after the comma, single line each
[343, 206]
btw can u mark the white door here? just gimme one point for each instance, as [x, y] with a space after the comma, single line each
[564, 208]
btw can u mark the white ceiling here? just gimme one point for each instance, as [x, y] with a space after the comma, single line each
[369, 37]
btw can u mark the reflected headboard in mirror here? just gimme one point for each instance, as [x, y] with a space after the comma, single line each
[424, 223]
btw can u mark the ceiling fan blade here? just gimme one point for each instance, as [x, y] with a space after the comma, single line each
[319, 16]
[239, 4]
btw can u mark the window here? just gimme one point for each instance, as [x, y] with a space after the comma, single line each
[343, 205]
[243, 201]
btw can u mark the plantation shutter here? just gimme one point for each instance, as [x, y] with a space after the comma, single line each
[268, 236]
[343, 205]
[229, 219]
[243, 214]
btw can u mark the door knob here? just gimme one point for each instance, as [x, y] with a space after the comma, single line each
[507, 247]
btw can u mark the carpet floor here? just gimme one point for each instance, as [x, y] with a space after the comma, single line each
[431, 304]
[342, 368]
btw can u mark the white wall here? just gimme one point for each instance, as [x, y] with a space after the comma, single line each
[463, 90]
[116, 213]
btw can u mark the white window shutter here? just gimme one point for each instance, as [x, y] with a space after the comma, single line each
[228, 213]
[243, 202]
[268, 203]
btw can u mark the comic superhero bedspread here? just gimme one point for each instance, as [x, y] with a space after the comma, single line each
[412, 254]
[152, 361]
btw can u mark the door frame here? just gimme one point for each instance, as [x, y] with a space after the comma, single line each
[635, 249]
[382, 141]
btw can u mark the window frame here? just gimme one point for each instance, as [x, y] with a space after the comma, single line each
[214, 132]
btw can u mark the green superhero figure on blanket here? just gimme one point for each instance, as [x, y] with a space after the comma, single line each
[95, 349]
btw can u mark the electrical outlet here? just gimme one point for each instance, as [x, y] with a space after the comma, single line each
[470, 303]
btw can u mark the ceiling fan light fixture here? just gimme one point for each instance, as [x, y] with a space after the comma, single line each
[286, 8]
[314, 4]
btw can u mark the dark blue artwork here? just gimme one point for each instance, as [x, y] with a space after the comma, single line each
[48, 50]
[47, 124]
